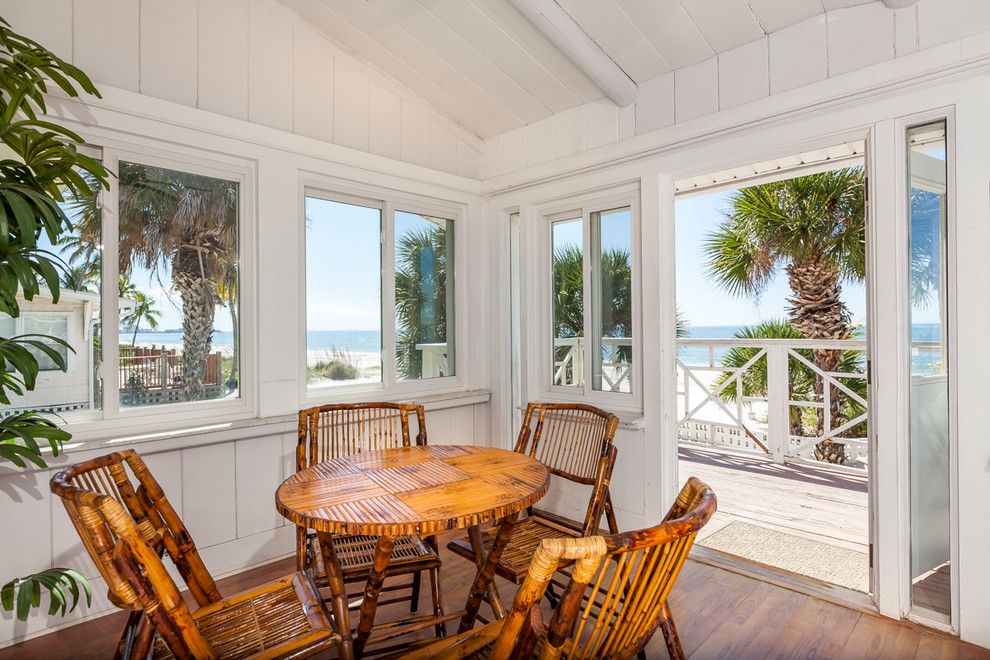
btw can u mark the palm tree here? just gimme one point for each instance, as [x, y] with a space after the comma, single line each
[77, 278]
[143, 310]
[815, 228]
[420, 296]
[227, 291]
[183, 225]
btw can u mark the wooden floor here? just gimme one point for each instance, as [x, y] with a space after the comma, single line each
[720, 614]
[805, 501]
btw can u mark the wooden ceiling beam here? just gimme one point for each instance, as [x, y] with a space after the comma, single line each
[564, 32]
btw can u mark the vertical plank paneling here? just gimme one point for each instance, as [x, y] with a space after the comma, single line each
[539, 141]
[696, 90]
[258, 464]
[568, 132]
[168, 50]
[468, 161]
[351, 104]
[386, 122]
[743, 74]
[269, 61]
[655, 104]
[415, 134]
[462, 426]
[601, 123]
[105, 41]
[312, 104]
[26, 510]
[858, 37]
[443, 147]
[208, 493]
[798, 55]
[223, 57]
[49, 22]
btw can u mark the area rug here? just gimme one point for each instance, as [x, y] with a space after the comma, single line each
[829, 563]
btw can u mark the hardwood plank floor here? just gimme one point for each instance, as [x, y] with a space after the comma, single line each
[720, 614]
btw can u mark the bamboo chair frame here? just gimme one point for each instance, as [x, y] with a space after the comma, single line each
[332, 430]
[126, 530]
[574, 441]
[615, 599]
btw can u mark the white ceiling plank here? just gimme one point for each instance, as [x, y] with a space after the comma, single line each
[724, 23]
[347, 36]
[379, 28]
[478, 32]
[842, 4]
[508, 19]
[609, 26]
[778, 14]
[436, 36]
[669, 30]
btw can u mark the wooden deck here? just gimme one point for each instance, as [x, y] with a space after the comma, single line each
[720, 614]
[822, 506]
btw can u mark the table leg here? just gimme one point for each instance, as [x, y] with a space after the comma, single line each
[486, 572]
[383, 554]
[474, 534]
[338, 594]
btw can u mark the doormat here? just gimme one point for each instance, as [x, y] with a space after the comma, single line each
[828, 563]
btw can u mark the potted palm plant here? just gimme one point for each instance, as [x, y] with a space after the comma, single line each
[40, 167]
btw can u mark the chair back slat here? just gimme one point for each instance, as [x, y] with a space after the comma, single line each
[617, 591]
[570, 439]
[334, 430]
[114, 477]
[130, 564]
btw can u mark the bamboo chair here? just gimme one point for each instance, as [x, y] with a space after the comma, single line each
[126, 530]
[615, 599]
[329, 431]
[575, 442]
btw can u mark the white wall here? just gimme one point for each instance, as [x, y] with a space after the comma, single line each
[825, 46]
[248, 59]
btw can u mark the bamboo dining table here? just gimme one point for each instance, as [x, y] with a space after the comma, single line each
[419, 490]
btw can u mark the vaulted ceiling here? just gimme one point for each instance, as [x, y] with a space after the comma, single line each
[486, 66]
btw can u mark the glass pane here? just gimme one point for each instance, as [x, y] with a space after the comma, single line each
[178, 254]
[75, 318]
[568, 303]
[343, 294]
[611, 276]
[930, 527]
[51, 325]
[424, 296]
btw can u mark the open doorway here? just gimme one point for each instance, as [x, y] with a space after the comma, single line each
[772, 361]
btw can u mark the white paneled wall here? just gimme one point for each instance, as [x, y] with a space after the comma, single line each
[803, 47]
[247, 59]
[224, 491]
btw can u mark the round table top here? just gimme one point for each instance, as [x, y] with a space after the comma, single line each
[412, 490]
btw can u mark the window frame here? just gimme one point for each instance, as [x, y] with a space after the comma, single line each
[389, 201]
[111, 417]
[583, 207]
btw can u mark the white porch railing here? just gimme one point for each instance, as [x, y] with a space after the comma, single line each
[568, 363]
[762, 424]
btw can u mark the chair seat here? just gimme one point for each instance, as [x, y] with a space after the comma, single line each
[525, 539]
[356, 554]
[280, 619]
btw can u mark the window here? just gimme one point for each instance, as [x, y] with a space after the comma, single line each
[344, 293]
[927, 195]
[592, 300]
[51, 325]
[179, 286]
[424, 299]
[568, 303]
[379, 294]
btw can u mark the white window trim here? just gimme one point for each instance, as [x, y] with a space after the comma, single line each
[388, 201]
[111, 418]
[70, 338]
[583, 206]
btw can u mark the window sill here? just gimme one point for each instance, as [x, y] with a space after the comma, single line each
[216, 432]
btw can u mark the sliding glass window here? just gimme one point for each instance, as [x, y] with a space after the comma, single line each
[567, 292]
[927, 193]
[612, 299]
[343, 293]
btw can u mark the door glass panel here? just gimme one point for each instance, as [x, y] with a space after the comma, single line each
[929, 457]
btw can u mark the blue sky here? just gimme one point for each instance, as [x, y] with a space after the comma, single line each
[701, 302]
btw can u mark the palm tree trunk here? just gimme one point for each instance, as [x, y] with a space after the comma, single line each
[137, 324]
[817, 311]
[232, 305]
[198, 307]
